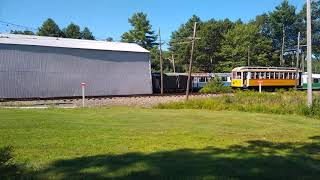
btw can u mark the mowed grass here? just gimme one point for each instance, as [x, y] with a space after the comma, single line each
[134, 143]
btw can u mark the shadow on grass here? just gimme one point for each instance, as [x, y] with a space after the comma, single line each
[256, 160]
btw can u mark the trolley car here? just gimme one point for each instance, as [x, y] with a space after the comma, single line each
[315, 81]
[267, 77]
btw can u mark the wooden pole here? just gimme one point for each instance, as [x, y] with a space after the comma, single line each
[173, 64]
[161, 64]
[191, 59]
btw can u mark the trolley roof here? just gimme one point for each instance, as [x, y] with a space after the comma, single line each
[264, 69]
[69, 43]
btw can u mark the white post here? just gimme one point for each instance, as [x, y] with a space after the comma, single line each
[260, 87]
[83, 85]
[309, 53]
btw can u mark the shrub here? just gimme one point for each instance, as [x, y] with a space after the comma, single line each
[6, 157]
[216, 85]
[8, 168]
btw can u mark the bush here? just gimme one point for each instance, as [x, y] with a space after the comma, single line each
[216, 85]
[8, 168]
[6, 157]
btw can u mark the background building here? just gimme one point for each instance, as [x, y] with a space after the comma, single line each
[33, 66]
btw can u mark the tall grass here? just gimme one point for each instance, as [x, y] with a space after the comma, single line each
[292, 102]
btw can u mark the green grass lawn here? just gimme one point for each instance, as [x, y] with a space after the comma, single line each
[157, 143]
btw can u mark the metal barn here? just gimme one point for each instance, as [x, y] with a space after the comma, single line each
[42, 67]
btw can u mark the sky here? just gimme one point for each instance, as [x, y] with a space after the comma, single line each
[109, 18]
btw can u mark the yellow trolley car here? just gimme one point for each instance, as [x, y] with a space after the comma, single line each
[268, 77]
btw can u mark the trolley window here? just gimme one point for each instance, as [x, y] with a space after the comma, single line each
[268, 75]
[253, 75]
[202, 79]
[236, 75]
[281, 75]
[272, 75]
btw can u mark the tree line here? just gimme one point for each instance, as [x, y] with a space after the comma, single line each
[50, 28]
[268, 40]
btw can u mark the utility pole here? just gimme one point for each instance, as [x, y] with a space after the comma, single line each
[191, 59]
[309, 53]
[173, 64]
[161, 64]
[297, 63]
[248, 55]
[282, 48]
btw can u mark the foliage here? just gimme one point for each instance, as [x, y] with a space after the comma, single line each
[315, 6]
[180, 43]
[6, 156]
[216, 85]
[109, 39]
[141, 32]
[239, 41]
[26, 32]
[8, 167]
[50, 28]
[135, 143]
[277, 103]
[87, 34]
[155, 60]
[284, 17]
[224, 45]
[72, 31]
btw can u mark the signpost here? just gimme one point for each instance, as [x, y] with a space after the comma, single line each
[83, 85]
[260, 86]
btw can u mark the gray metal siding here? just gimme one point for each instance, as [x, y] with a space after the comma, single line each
[34, 71]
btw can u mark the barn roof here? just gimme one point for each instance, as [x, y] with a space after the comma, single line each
[69, 43]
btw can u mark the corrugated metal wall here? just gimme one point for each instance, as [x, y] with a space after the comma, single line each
[34, 71]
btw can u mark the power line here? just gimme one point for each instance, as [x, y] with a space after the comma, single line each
[17, 25]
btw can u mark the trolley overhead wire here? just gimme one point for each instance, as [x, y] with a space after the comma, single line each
[6, 23]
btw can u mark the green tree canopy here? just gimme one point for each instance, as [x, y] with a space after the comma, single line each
[141, 32]
[72, 31]
[180, 43]
[240, 40]
[87, 34]
[315, 26]
[109, 39]
[208, 47]
[26, 32]
[284, 17]
[49, 28]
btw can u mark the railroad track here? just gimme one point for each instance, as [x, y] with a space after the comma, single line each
[72, 102]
